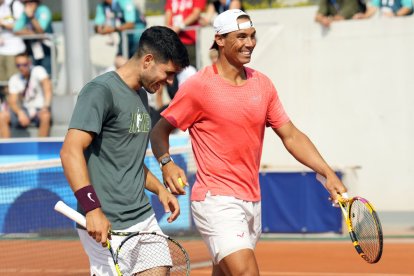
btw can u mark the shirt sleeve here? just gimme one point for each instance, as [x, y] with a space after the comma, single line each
[18, 9]
[185, 109]
[40, 72]
[16, 86]
[92, 106]
[43, 16]
[276, 115]
[374, 3]
[20, 23]
[129, 11]
[100, 15]
[323, 7]
[407, 4]
[167, 5]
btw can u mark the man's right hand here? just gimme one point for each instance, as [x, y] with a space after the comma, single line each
[174, 178]
[98, 226]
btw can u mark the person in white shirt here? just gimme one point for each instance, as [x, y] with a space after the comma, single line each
[29, 100]
[10, 44]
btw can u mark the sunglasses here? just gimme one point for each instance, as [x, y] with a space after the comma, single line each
[18, 65]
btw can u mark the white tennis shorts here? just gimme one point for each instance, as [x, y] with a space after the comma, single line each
[100, 259]
[227, 224]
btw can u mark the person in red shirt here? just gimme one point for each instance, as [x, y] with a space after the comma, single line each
[226, 107]
[181, 14]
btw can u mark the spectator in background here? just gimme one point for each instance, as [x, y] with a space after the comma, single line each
[216, 7]
[180, 14]
[387, 8]
[29, 100]
[116, 16]
[10, 44]
[36, 19]
[337, 10]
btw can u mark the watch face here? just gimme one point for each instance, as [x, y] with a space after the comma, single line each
[165, 160]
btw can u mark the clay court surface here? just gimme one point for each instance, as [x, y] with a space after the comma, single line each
[275, 257]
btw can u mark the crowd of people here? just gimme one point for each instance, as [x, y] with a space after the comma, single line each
[23, 22]
[337, 10]
[25, 66]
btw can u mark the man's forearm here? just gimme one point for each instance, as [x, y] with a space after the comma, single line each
[152, 184]
[47, 90]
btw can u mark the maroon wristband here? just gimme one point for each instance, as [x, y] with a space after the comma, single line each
[87, 198]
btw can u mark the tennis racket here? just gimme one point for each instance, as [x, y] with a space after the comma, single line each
[363, 225]
[143, 253]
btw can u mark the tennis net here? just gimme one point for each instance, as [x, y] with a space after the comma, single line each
[34, 235]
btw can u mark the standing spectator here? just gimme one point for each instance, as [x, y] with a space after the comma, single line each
[180, 14]
[104, 149]
[388, 8]
[226, 108]
[10, 44]
[116, 16]
[337, 10]
[36, 19]
[216, 7]
[29, 100]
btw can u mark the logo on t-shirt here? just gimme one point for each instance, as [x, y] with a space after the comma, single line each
[140, 122]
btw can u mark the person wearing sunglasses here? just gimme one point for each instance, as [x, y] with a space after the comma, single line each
[29, 99]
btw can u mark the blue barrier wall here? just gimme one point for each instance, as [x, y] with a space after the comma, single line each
[293, 202]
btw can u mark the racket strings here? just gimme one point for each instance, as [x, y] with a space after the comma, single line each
[151, 254]
[367, 230]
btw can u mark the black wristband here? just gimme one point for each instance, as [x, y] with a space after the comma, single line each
[87, 198]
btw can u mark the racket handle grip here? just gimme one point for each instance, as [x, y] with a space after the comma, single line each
[74, 215]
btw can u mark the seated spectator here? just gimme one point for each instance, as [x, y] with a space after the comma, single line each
[10, 44]
[36, 19]
[115, 16]
[216, 7]
[388, 8]
[336, 10]
[29, 99]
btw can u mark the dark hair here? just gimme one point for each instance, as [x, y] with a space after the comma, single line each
[164, 44]
[22, 54]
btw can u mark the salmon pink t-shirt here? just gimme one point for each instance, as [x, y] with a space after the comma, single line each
[226, 125]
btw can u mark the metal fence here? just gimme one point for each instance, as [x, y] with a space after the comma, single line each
[50, 38]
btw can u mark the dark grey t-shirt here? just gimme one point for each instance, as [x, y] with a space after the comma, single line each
[120, 119]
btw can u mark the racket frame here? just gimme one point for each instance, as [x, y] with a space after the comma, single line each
[346, 207]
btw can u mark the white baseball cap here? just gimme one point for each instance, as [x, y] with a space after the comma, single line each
[226, 22]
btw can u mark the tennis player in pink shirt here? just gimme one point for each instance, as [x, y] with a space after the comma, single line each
[226, 107]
